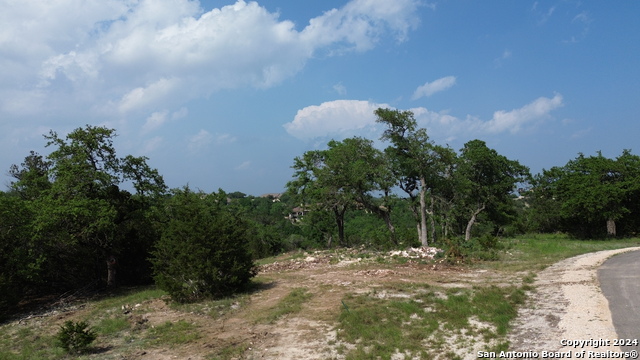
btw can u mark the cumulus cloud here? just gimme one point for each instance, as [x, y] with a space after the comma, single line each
[433, 87]
[136, 56]
[343, 118]
[339, 117]
[513, 121]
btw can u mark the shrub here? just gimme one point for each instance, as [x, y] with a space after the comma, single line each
[74, 337]
[202, 251]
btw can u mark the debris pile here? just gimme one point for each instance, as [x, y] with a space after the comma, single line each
[424, 252]
[307, 263]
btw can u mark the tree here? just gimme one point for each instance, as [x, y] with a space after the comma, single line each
[593, 190]
[82, 218]
[19, 265]
[312, 186]
[32, 177]
[202, 250]
[363, 171]
[485, 181]
[419, 165]
[344, 177]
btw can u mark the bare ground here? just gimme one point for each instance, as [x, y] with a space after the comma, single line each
[567, 304]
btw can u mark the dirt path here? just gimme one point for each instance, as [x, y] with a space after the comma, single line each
[568, 304]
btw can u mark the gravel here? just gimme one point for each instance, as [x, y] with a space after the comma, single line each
[566, 305]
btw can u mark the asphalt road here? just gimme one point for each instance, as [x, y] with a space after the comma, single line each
[619, 278]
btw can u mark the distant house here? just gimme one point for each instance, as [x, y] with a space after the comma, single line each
[275, 197]
[297, 213]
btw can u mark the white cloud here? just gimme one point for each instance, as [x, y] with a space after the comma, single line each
[513, 121]
[345, 118]
[340, 89]
[159, 118]
[138, 56]
[200, 140]
[339, 117]
[154, 121]
[433, 87]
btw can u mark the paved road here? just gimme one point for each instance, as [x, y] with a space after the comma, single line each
[619, 279]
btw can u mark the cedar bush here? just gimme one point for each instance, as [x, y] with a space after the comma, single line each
[202, 251]
[74, 337]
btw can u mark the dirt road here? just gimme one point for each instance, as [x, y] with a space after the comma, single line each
[568, 305]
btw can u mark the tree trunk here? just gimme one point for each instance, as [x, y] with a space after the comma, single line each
[611, 227]
[423, 213]
[112, 263]
[433, 219]
[474, 216]
[340, 223]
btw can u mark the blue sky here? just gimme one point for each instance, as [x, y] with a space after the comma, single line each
[223, 94]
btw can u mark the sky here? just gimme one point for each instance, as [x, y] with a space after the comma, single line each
[224, 95]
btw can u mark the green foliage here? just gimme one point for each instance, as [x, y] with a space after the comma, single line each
[18, 265]
[75, 337]
[78, 216]
[342, 178]
[420, 168]
[589, 197]
[485, 181]
[202, 251]
[485, 248]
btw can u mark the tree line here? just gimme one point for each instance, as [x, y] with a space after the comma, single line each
[83, 217]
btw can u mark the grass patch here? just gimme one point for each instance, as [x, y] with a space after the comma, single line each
[538, 251]
[233, 351]
[213, 308]
[173, 333]
[27, 344]
[112, 325]
[290, 304]
[127, 297]
[423, 325]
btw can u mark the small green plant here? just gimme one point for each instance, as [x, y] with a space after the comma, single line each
[75, 337]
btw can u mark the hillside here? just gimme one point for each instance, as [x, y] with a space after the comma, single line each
[346, 304]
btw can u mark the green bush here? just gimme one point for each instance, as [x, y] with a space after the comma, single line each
[74, 337]
[202, 252]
